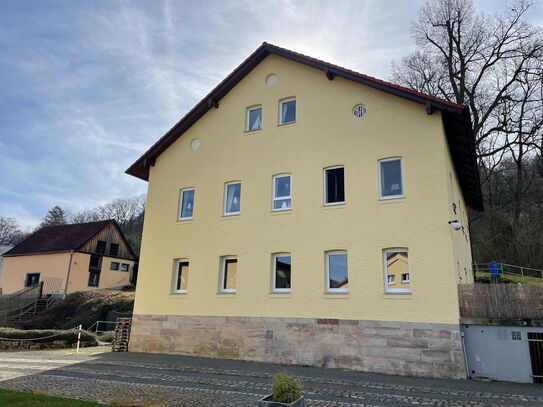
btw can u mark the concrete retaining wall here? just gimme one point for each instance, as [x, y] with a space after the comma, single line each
[402, 348]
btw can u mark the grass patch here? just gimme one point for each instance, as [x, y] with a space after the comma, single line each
[21, 399]
[484, 277]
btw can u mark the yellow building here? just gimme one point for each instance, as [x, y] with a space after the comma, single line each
[69, 258]
[274, 205]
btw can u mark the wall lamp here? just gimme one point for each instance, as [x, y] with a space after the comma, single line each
[456, 225]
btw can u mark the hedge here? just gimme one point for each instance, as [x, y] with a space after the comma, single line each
[69, 335]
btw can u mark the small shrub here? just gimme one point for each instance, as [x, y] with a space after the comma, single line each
[106, 336]
[286, 389]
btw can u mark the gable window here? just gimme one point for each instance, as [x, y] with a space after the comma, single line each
[125, 267]
[114, 266]
[254, 118]
[287, 111]
[282, 266]
[186, 204]
[232, 197]
[229, 271]
[282, 192]
[396, 267]
[94, 278]
[181, 276]
[390, 178]
[100, 247]
[113, 249]
[32, 279]
[337, 274]
[334, 186]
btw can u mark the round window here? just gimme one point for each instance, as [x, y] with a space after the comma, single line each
[195, 145]
[359, 111]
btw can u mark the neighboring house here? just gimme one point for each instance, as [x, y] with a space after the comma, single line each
[275, 205]
[3, 249]
[69, 258]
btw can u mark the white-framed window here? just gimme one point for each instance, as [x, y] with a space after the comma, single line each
[114, 266]
[391, 279]
[282, 267]
[232, 198]
[229, 271]
[396, 266]
[181, 276]
[282, 192]
[186, 203]
[287, 111]
[334, 185]
[254, 118]
[337, 271]
[391, 178]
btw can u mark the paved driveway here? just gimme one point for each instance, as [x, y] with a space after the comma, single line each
[133, 379]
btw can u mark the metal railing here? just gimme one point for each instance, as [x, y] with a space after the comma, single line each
[14, 304]
[523, 274]
[104, 324]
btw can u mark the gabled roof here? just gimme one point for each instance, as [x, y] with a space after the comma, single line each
[456, 117]
[61, 238]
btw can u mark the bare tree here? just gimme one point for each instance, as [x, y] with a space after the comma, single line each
[9, 231]
[123, 210]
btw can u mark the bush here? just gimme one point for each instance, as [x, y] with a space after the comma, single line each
[70, 335]
[286, 389]
[106, 336]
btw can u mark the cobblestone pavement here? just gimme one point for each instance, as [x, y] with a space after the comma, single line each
[133, 379]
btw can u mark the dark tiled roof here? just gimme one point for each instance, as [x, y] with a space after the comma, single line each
[60, 238]
[456, 117]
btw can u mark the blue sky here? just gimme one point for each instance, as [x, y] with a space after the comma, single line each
[87, 86]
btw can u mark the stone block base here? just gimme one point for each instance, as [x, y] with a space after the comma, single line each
[400, 348]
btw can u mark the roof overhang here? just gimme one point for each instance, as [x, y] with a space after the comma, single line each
[456, 117]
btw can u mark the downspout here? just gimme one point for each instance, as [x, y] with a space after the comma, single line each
[68, 273]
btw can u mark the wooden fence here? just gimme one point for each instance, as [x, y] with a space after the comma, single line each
[501, 301]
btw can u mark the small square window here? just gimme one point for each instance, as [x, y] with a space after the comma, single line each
[334, 186]
[337, 274]
[125, 267]
[229, 273]
[181, 276]
[282, 266]
[232, 198]
[32, 279]
[391, 280]
[396, 263]
[287, 111]
[186, 204]
[281, 193]
[390, 179]
[114, 266]
[113, 249]
[254, 119]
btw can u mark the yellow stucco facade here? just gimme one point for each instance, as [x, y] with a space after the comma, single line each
[55, 268]
[325, 134]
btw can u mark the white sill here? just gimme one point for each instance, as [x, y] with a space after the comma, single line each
[281, 291]
[333, 203]
[336, 291]
[227, 291]
[231, 214]
[286, 124]
[184, 219]
[282, 210]
[179, 292]
[400, 292]
[391, 197]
